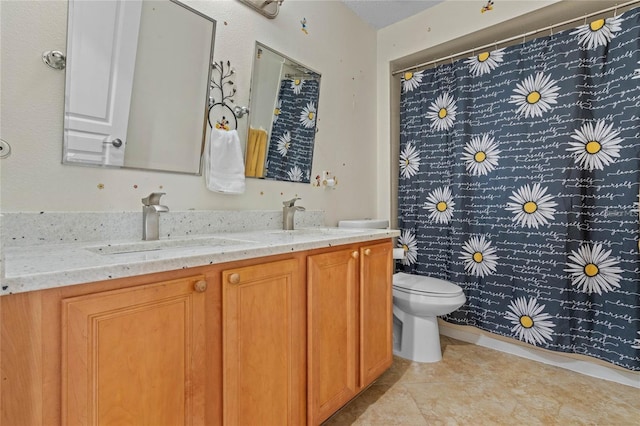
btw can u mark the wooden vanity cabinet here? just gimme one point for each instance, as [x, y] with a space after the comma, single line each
[285, 339]
[263, 329]
[135, 355]
[349, 324]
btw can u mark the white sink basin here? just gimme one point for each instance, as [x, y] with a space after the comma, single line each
[172, 244]
[315, 231]
[364, 223]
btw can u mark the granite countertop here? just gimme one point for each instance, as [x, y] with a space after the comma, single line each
[42, 266]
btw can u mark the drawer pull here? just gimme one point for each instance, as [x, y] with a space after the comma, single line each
[234, 278]
[355, 254]
[367, 252]
[200, 286]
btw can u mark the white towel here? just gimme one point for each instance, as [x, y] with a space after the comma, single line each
[224, 163]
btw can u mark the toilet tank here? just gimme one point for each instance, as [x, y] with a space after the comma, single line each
[364, 223]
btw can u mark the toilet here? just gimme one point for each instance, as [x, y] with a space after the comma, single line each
[417, 302]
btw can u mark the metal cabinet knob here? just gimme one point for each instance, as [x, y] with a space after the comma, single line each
[234, 278]
[355, 254]
[367, 252]
[200, 286]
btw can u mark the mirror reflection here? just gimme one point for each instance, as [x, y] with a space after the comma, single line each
[137, 84]
[282, 123]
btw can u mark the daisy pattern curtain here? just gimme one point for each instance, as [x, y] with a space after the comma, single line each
[519, 180]
[293, 132]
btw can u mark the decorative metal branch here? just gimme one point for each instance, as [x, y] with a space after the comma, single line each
[220, 81]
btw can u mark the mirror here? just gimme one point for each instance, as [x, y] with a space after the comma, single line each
[282, 123]
[137, 84]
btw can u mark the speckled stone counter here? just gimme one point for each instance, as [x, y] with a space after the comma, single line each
[63, 251]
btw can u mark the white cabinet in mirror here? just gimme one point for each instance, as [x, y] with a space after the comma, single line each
[137, 84]
[282, 123]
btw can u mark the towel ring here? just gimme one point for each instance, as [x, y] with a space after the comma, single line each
[233, 114]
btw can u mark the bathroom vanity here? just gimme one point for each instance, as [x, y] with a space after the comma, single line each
[269, 327]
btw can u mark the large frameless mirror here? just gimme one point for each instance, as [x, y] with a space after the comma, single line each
[137, 84]
[282, 122]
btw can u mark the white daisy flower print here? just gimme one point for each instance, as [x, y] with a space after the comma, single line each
[532, 206]
[295, 174]
[440, 205]
[529, 322]
[411, 80]
[636, 342]
[485, 62]
[593, 270]
[481, 155]
[407, 241]
[479, 257]
[534, 95]
[409, 161]
[296, 85]
[277, 110]
[308, 116]
[284, 143]
[443, 112]
[598, 33]
[595, 146]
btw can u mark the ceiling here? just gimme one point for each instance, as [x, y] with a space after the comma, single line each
[381, 13]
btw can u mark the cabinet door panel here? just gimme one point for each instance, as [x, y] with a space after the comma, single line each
[376, 341]
[263, 345]
[332, 336]
[135, 356]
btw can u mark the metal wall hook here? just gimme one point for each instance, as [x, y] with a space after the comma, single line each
[55, 59]
[240, 111]
[5, 149]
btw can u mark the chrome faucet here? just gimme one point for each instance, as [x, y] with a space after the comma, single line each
[287, 213]
[151, 216]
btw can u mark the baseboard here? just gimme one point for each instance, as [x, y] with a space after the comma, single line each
[594, 369]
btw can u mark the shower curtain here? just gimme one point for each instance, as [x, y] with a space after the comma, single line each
[519, 181]
[293, 133]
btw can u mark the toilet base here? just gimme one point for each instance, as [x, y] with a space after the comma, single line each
[420, 338]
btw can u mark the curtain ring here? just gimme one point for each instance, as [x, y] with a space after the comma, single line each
[615, 11]
[551, 31]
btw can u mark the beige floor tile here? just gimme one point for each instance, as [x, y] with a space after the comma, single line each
[473, 385]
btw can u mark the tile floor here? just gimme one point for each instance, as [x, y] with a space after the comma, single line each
[474, 385]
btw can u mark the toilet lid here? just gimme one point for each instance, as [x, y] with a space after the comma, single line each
[424, 285]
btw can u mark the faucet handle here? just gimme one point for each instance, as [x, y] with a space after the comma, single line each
[291, 202]
[153, 198]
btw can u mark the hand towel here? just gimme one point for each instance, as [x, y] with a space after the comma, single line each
[252, 153]
[256, 151]
[224, 163]
[261, 145]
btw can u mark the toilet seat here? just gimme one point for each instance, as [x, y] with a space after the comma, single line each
[427, 286]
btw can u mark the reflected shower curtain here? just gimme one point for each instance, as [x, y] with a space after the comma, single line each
[293, 131]
[519, 180]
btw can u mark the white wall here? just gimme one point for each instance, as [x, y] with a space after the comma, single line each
[338, 45]
[442, 23]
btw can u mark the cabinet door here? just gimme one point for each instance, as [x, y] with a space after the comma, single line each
[376, 340]
[333, 327]
[263, 325]
[135, 356]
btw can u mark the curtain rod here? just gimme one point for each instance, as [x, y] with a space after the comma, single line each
[507, 40]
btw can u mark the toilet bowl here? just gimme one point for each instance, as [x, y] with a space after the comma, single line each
[417, 302]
